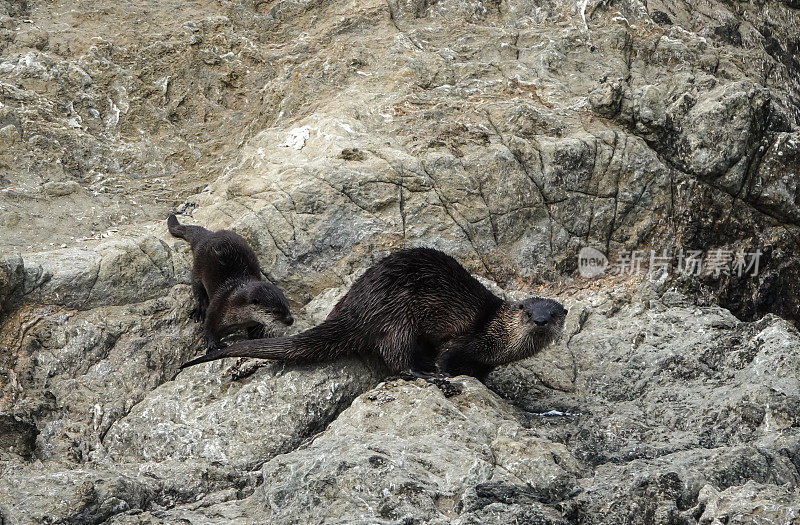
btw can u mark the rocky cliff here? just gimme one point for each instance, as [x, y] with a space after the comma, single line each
[509, 134]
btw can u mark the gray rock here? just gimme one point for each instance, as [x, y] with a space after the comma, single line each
[60, 189]
[35, 495]
[751, 503]
[405, 451]
[117, 272]
[205, 415]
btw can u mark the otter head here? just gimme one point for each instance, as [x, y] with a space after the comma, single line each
[269, 305]
[261, 303]
[538, 321]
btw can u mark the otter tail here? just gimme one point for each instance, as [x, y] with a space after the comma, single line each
[321, 343]
[190, 233]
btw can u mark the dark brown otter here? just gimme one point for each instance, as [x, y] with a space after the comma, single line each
[418, 310]
[226, 281]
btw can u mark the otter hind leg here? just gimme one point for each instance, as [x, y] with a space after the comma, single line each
[402, 351]
[423, 360]
[415, 373]
[459, 361]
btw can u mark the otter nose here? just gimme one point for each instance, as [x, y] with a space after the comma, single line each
[541, 320]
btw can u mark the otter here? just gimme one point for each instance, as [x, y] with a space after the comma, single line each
[420, 312]
[227, 284]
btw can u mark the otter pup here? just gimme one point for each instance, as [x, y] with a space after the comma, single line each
[420, 311]
[226, 282]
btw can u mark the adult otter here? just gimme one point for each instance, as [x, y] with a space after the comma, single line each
[226, 281]
[419, 311]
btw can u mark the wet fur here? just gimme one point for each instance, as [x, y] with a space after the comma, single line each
[417, 310]
[227, 284]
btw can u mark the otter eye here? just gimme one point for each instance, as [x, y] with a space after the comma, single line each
[520, 306]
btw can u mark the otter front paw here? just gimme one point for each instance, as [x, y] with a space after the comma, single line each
[212, 345]
[198, 315]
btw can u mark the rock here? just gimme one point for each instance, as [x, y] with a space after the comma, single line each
[12, 276]
[206, 415]
[8, 135]
[17, 437]
[776, 188]
[622, 444]
[752, 503]
[116, 272]
[666, 488]
[60, 189]
[9, 219]
[73, 382]
[417, 464]
[35, 38]
[35, 494]
[399, 474]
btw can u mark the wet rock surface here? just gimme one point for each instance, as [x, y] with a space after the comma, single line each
[510, 135]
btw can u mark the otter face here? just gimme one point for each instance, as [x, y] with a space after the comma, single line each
[269, 305]
[542, 317]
